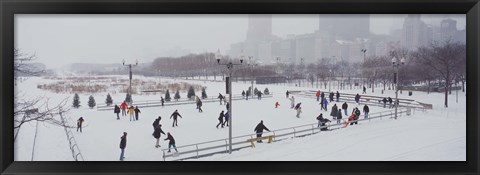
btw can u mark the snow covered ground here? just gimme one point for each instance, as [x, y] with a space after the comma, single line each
[438, 134]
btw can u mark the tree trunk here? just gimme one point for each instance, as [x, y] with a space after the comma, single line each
[428, 87]
[373, 82]
[450, 88]
[446, 96]
[463, 85]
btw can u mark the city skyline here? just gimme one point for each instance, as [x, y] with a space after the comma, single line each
[58, 40]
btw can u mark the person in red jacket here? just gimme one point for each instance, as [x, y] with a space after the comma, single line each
[277, 104]
[124, 106]
[318, 95]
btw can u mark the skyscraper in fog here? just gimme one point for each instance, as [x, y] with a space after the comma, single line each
[259, 31]
[259, 27]
[415, 32]
[345, 26]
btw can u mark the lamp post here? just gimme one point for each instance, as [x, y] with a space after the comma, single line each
[396, 64]
[364, 53]
[330, 85]
[229, 65]
[130, 77]
[250, 63]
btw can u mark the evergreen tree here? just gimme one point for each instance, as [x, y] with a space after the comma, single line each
[191, 92]
[167, 96]
[255, 91]
[76, 101]
[177, 95]
[91, 102]
[204, 94]
[109, 100]
[128, 98]
[266, 91]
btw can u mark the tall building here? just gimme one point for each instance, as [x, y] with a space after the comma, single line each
[345, 26]
[259, 31]
[259, 27]
[414, 33]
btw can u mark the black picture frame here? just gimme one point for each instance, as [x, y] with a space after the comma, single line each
[8, 8]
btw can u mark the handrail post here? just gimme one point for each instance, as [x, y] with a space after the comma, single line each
[226, 146]
[294, 133]
[163, 155]
[313, 129]
[197, 150]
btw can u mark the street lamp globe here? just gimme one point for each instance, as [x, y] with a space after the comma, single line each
[217, 55]
[402, 60]
[394, 60]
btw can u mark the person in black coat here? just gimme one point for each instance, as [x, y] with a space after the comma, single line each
[220, 119]
[220, 96]
[322, 95]
[339, 116]
[243, 94]
[390, 102]
[338, 96]
[357, 98]
[156, 134]
[259, 95]
[228, 106]
[156, 123]
[322, 121]
[136, 112]
[175, 115]
[334, 111]
[199, 105]
[227, 117]
[123, 145]
[116, 110]
[79, 124]
[287, 93]
[259, 130]
[366, 110]
[345, 107]
[162, 100]
[171, 142]
[331, 96]
[384, 102]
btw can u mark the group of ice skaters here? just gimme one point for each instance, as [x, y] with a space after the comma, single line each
[132, 111]
[157, 131]
[336, 112]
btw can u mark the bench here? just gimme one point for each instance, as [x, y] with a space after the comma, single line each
[253, 140]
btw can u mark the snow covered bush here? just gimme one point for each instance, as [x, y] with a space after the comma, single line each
[191, 93]
[109, 100]
[128, 98]
[177, 95]
[266, 91]
[91, 102]
[204, 94]
[76, 101]
[167, 96]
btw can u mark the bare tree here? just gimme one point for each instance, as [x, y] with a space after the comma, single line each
[37, 109]
[22, 65]
[443, 59]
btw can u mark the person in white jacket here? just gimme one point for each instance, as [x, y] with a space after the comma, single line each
[292, 102]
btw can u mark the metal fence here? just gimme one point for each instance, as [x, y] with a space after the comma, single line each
[371, 100]
[210, 148]
[156, 103]
[76, 154]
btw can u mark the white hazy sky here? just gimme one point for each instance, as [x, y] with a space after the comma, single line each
[58, 40]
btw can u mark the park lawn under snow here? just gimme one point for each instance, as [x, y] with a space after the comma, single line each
[438, 134]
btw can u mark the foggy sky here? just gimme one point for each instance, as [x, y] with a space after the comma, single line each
[58, 40]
